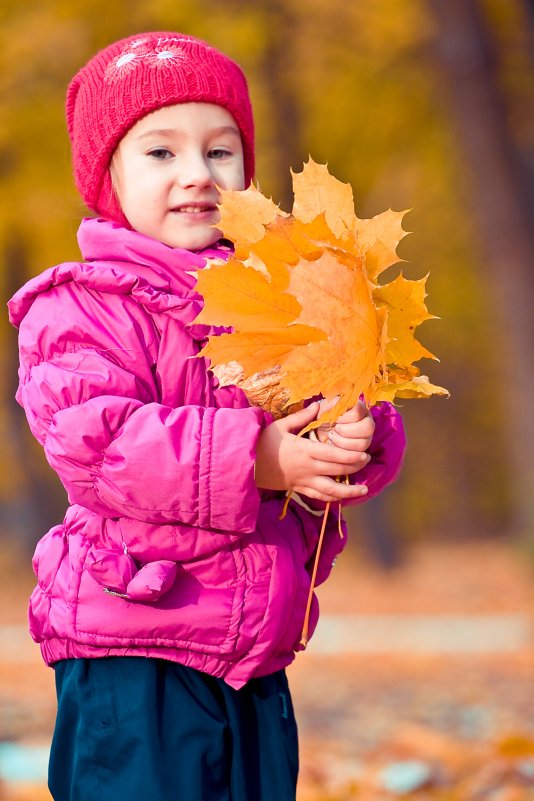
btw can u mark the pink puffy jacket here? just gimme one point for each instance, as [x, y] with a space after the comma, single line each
[168, 549]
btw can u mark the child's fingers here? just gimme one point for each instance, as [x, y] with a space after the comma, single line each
[348, 442]
[299, 420]
[340, 468]
[339, 491]
[355, 414]
[329, 490]
[361, 432]
[327, 403]
[355, 428]
[339, 462]
[330, 453]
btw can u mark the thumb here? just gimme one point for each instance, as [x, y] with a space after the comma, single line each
[300, 419]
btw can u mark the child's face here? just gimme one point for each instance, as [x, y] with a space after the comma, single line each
[167, 168]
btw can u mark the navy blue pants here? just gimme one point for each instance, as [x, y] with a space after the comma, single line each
[136, 729]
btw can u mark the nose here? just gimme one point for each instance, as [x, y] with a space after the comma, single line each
[194, 170]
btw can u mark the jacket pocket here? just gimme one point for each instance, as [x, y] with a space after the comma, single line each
[202, 610]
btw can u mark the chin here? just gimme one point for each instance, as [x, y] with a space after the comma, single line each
[194, 243]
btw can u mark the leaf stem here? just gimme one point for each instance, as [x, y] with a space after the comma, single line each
[306, 624]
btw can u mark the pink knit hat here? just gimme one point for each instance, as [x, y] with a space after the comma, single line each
[131, 78]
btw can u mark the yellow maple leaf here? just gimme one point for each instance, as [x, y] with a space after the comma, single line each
[337, 300]
[243, 297]
[317, 192]
[416, 386]
[241, 231]
[404, 301]
[261, 349]
[377, 240]
[301, 296]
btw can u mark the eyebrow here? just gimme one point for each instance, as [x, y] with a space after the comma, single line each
[167, 132]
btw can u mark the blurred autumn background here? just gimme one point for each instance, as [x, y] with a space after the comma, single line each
[425, 105]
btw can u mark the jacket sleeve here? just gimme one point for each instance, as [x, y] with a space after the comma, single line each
[386, 451]
[91, 400]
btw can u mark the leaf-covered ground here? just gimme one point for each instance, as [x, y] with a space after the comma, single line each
[451, 726]
[374, 726]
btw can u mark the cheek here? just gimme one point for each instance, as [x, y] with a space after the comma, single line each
[144, 194]
[237, 183]
[230, 176]
[240, 178]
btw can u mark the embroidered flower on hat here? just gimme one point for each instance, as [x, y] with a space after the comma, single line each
[166, 56]
[125, 59]
[121, 65]
[156, 57]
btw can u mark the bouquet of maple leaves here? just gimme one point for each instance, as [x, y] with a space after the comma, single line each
[302, 298]
[307, 315]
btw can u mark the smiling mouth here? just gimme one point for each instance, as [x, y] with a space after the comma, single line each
[194, 209]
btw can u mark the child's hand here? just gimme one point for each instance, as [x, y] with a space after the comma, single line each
[287, 462]
[353, 430]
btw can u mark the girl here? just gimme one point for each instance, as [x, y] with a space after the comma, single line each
[171, 597]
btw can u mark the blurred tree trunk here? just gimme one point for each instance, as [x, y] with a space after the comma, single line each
[278, 73]
[529, 9]
[501, 208]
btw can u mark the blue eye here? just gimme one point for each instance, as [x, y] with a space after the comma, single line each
[160, 153]
[219, 153]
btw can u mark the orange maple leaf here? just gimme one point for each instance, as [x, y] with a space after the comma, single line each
[301, 296]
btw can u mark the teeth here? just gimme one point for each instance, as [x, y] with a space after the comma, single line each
[194, 209]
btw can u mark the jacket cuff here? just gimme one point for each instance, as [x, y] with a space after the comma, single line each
[229, 499]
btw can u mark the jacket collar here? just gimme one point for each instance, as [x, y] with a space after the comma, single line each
[163, 267]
